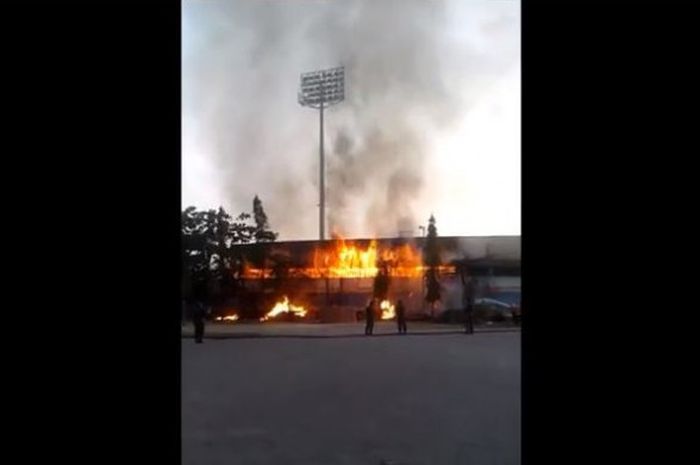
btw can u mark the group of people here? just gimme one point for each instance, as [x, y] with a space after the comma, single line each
[199, 312]
[373, 309]
[469, 296]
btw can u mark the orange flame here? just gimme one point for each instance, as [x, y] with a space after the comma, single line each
[284, 307]
[347, 260]
[231, 318]
[387, 310]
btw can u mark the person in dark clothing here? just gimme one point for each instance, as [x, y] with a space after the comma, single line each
[401, 317]
[200, 308]
[517, 313]
[369, 317]
[469, 296]
[199, 313]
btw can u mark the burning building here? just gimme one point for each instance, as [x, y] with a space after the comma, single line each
[333, 280]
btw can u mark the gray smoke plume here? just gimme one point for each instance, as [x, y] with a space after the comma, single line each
[241, 66]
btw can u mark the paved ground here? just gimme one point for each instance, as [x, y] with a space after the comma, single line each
[316, 330]
[428, 399]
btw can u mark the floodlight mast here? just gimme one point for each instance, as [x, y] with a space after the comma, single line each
[319, 89]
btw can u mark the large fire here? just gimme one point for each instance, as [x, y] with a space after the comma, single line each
[344, 259]
[350, 261]
[284, 307]
[387, 310]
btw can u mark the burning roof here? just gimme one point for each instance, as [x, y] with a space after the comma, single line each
[476, 247]
[360, 258]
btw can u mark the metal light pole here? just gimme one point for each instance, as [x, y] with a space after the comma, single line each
[321, 89]
[322, 179]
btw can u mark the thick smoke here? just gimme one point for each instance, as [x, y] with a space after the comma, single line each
[242, 61]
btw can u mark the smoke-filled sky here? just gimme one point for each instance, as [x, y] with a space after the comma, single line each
[430, 121]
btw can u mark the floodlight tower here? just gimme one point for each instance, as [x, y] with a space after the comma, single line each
[319, 89]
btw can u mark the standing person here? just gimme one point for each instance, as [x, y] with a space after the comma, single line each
[199, 312]
[369, 317]
[198, 320]
[401, 317]
[517, 312]
[469, 296]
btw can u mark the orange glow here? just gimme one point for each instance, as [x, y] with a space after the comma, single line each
[230, 318]
[387, 310]
[284, 307]
[255, 273]
[349, 261]
[344, 259]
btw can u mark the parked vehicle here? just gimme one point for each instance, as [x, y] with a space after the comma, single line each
[486, 309]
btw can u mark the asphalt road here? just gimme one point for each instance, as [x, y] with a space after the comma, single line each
[428, 399]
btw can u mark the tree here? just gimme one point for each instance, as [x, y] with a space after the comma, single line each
[194, 251]
[431, 259]
[207, 252]
[261, 234]
[222, 235]
[262, 228]
[241, 232]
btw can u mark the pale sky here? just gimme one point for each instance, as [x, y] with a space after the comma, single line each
[432, 113]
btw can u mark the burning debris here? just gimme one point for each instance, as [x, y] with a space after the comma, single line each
[227, 318]
[285, 307]
[388, 312]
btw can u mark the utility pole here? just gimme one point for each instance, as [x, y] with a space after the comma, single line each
[422, 278]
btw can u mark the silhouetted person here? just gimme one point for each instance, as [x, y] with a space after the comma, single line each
[199, 312]
[369, 317]
[517, 313]
[401, 317]
[469, 296]
[198, 315]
